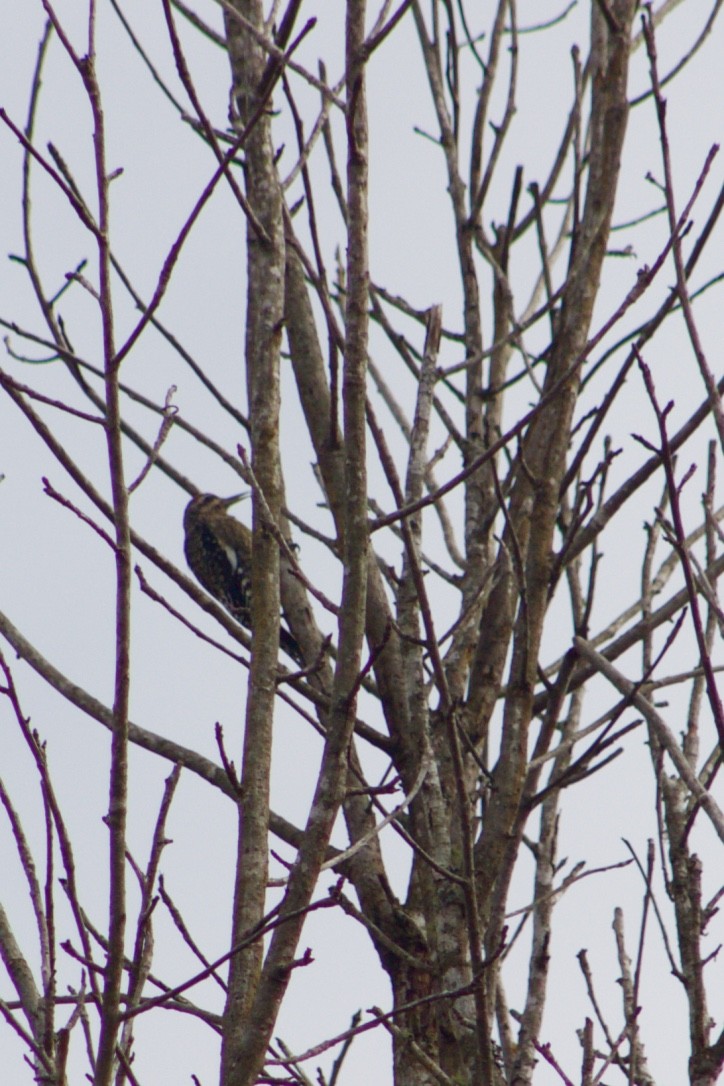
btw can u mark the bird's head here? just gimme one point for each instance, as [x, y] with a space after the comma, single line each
[205, 505]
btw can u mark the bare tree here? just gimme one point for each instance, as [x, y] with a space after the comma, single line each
[480, 630]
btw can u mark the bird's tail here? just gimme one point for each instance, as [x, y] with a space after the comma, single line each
[291, 646]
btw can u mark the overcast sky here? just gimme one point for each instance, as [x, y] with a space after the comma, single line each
[56, 575]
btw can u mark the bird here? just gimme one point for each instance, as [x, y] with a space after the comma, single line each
[218, 552]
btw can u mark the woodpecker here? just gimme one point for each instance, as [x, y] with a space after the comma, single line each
[218, 551]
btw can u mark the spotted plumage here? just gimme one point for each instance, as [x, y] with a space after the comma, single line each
[218, 551]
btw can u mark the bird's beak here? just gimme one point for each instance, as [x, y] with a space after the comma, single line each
[226, 502]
